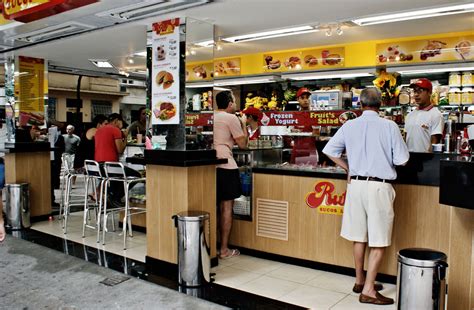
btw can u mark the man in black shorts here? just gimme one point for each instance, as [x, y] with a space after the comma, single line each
[228, 130]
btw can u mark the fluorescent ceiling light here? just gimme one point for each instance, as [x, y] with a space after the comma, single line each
[325, 75]
[415, 14]
[207, 43]
[271, 34]
[199, 85]
[436, 70]
[101, 63]
[244, 81]
[141, 54]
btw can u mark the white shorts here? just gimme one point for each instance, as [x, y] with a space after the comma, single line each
[368, 213]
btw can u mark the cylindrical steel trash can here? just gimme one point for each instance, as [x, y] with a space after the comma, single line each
[194, 260]
[421, 280]
[17, 205]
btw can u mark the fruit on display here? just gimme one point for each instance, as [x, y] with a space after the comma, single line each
[206, 100]
[290, 94]
[394, 53]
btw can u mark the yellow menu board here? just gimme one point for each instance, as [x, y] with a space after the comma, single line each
[227, 67]
[199, 71]
[313, 59]
[428, 50]
[30, 90]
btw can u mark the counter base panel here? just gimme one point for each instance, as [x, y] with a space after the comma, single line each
[33, 168]
[420, 221]
[171, 190]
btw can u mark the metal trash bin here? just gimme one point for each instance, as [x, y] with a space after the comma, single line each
[194, 260]
[17, 205]
[421, 280]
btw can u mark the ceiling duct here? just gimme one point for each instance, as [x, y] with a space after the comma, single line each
[149, 8]
[51, 32]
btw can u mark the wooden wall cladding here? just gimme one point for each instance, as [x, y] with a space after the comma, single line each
[420, 221]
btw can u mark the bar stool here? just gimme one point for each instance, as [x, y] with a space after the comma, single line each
[95, 178]
[115, 172]
[67, 202]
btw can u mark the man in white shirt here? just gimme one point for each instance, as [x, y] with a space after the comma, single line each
[424, 126]
[374, 146]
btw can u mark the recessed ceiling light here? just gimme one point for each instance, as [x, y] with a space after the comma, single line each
[415, 14]
[101, 63]
[141, 54]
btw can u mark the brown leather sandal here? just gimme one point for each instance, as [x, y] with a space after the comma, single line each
[378, 300]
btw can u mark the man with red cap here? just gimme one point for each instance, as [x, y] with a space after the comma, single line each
[253, 116]
[304, 148]
[424, 126]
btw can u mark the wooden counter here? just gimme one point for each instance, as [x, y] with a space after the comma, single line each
[33, 167]
[420, 221]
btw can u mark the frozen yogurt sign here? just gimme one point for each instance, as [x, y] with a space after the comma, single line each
[325, 199]
[304, 118]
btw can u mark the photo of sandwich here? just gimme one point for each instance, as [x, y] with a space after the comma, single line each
[272, 64]
[164, 110]
[310, 60]
[165, 79]
[200, 72]
[233, 66]
[293, 62]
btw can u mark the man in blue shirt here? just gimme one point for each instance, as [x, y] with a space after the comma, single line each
[374, 146]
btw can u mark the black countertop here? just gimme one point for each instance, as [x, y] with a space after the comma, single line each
[188, 158]
[421, 169]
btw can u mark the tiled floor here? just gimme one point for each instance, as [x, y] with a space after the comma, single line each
[292, 284]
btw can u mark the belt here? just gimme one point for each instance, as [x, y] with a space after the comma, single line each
[358, 177]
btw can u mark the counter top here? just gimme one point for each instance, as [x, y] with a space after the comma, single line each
[27, 147]
[457, 182]
[188, 158]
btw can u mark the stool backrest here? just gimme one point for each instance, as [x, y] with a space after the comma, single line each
[68, 162]
[114, 170]
[92, 168]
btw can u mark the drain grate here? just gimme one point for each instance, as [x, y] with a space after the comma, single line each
[114, 281]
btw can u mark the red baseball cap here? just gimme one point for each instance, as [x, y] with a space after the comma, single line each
[302, 91]
[253, 111]
[422, 83]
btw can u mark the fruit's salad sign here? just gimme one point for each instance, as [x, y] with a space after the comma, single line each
[326, 198]
[321, 58]
[314, 118]
[420, 51]
[165, 72]
[199, 119]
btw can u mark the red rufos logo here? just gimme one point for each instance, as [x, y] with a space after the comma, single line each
[324, 196]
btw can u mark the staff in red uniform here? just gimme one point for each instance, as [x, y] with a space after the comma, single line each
[304, 148]
[253, 115]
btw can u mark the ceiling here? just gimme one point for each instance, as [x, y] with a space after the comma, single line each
[230, 17]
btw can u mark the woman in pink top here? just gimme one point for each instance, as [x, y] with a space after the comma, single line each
[228, 130]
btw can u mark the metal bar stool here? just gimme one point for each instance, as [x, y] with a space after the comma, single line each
[66, 196]
[95, 178]
[115, 172]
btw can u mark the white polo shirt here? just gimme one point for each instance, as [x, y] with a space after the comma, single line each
[374, 146]
[420, 125]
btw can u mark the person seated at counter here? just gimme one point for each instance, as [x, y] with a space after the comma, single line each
[86, 148]
[138, 126]
[253, 116]
[304, 148]
[374, 146]
[424, 126]
[110, 142]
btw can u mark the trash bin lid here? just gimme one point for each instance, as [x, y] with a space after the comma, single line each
[421, 257]
[16, 185]
[191, 216]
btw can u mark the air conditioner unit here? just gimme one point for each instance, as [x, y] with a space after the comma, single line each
[149, 8]
[52, 32]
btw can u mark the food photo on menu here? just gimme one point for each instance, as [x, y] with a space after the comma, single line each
[164, 110]
[164, 79]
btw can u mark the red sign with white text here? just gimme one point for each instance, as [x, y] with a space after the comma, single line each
[199, 119]
[30, 10]
[325, 199]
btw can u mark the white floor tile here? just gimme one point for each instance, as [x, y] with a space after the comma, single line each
[312, 297]
[232, 277]
[334, 282]
[352, 303]
[295, 273]
[257, 265]
[269, 287]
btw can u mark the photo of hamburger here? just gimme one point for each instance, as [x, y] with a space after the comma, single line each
[200, 72]
[165, 79]
[233, 66]
[272, 64]
[310, 60]
[293, 63]
[164, 110]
